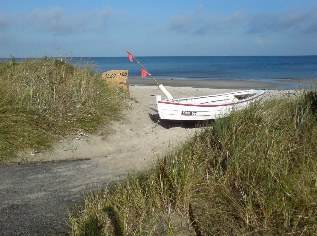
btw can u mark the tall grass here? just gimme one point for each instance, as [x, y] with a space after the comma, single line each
[46, 98]
[252, 173]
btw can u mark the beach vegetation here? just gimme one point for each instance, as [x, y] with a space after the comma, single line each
[44, 100]
[251, 173]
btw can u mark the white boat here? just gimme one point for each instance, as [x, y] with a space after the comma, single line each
[205, 107]
[199, 108]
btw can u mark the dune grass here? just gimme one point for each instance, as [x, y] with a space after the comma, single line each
[252, 173]
[42, 100]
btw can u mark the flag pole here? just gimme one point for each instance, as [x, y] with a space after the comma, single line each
[144, 68]
[161, 86]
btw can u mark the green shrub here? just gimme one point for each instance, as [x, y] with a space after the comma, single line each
[45, 98]
[251, 173]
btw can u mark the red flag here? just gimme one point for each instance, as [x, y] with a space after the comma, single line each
[130, 57]
[144, 73]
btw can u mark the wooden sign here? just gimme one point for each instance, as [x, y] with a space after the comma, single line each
[117, 77]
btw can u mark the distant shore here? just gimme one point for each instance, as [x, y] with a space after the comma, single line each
[230, 84]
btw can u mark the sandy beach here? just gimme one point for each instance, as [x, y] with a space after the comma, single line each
[139, 138]
[36, 196]
[212, 84]
[282, 84]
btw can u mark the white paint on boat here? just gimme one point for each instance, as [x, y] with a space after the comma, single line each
[205, 107]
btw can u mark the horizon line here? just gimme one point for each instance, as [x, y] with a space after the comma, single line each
[41, 57]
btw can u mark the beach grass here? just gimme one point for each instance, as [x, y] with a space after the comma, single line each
[251, 173]
[43, 100]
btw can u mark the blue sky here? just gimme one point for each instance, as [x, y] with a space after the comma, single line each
[81, 28]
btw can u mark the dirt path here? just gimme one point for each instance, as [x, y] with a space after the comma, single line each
[35, 198]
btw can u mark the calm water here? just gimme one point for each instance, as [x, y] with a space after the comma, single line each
[256, 68]
[228, 68]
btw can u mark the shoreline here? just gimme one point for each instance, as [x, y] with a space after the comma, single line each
[229, 84]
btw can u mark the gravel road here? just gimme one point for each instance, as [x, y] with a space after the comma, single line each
[35, 198]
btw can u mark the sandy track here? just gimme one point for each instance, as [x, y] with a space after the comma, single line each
[35, 197]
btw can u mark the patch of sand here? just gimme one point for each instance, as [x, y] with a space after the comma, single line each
[35, 197]
[135, 141]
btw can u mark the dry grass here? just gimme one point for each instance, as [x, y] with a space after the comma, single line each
[43, 99]
[252, 173]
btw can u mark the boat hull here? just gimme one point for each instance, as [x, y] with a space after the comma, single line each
[206, 107]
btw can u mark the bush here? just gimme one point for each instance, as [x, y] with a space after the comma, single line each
[45, 98]
[254, 172]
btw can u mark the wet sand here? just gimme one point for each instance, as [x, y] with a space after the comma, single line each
[283, 84]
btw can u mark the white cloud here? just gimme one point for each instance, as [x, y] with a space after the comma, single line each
[293, 22]
[106, 14]
[4, 23]
[200, 22]
[187, 22]
[56, 21]
[230, 21]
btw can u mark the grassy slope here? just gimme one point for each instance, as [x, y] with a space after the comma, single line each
[252, 173]
[41, 100]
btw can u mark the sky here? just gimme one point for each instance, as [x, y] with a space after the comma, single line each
[96, 28]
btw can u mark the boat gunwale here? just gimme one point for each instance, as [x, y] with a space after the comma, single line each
[256, 95]
[216, 95]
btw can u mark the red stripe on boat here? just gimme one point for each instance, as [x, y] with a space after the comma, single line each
[201, 105]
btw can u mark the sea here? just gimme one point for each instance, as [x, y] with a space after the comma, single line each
[250, 68]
